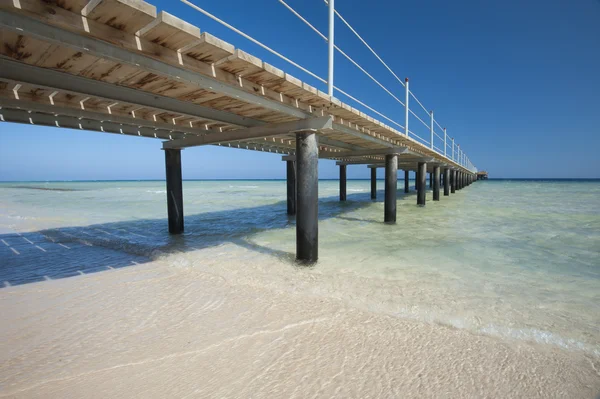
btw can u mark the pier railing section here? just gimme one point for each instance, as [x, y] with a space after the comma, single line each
[436, 136]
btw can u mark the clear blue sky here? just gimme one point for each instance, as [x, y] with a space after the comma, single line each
[515, 82]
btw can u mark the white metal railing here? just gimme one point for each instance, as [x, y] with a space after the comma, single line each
[437, 140]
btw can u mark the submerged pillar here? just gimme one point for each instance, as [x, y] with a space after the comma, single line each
[291, 187]
[373, 183]
[421, 177]
[452, 181]
[391, 186]
[174, 190]
[406, 182]
[436, 183]
[342, 182]
[446, 182]
[307, 197]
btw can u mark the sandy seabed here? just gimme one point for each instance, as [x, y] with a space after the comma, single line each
[154, 331]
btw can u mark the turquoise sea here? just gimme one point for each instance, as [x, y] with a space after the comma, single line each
[514, 259]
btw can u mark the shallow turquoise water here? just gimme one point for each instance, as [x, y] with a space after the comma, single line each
[513, 259]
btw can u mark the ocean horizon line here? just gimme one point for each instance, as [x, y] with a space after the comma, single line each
[283, 179]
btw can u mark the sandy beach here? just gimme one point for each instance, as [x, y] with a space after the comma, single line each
[159, 330]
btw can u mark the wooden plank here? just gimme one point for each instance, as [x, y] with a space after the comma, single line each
[269, 76]
[109, 71]
[170, 31]
[240, 63]
[21, 48]
[209, 49]
[290, 86]
[126, 15]
[70, 5]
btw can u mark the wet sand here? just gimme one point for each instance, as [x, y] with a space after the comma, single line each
[156, 330]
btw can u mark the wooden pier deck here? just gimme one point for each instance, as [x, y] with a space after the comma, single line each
[119, 66]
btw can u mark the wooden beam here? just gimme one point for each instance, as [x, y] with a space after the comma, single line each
[275, 129]
[52, 109]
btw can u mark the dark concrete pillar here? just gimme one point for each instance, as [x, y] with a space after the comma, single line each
[430, 180]
[446, 182]
[458, 180]
[436, 183]
[452, 181]
[307, 197]
[421, 177]
[291, 187]
[391, 186]
[174, 190]
[417, 180]
[373, 183]
[342, 182]
[406, 182]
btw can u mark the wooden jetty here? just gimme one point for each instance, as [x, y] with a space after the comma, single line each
[118, 66]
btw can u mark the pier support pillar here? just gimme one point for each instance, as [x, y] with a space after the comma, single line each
[446, 182]
[406, 182]
[391, 186]
[422, 179]
[436, 183]
[342, 182]
[452, 181]
[373, 183]
[307, 197]
[430, 180]
[174, 190]
[291, 187]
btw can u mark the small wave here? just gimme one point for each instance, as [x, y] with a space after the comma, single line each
[539, 336]
[356, 190]
[18, 217]
[43, 188]
[157, 191]
[243, 186]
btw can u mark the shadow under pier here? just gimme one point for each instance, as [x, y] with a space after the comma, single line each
[74, 250]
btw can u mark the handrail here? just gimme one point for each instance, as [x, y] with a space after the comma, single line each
[457, 157]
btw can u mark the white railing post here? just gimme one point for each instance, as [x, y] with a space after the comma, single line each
[406, 105]
[445, 139]
[453, 148]
[431, 129]
[331, 48]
